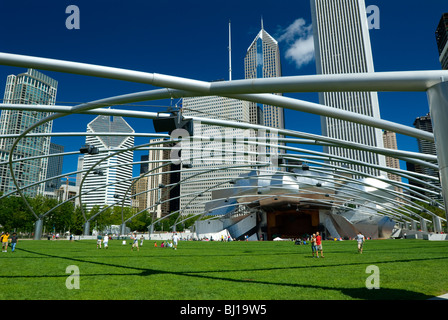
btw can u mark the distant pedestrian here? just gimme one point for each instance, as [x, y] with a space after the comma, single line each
[135, 243]
[14, 241]
[319, 245]
[175, 240]
[313, 245]
[5, 238]
[141, 240]
[99, 240]
[106, 241]
[360, 239]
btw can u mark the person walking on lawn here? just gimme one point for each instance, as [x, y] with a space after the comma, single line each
[319, 245]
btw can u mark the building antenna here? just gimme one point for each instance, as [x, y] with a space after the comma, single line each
[230, 52]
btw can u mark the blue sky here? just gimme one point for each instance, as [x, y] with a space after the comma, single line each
[190, 39]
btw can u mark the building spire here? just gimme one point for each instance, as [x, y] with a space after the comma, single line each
[262, 27]
[230, 51]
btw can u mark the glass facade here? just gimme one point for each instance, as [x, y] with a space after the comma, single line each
[54, 167]
[262, 60]
[31, 87]
[442, 40]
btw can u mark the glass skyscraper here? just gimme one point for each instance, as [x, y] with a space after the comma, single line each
[31, 87]
[342, 45]
[427, 147]
[442, 40]
[54, 168]
[262, 60]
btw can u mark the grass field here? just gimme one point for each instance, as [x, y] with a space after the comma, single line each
[409, 269]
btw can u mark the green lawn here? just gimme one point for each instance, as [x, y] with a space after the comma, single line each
[409, 269]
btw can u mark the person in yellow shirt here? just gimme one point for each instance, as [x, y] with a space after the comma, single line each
[5, 238]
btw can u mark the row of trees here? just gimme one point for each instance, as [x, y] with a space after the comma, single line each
[436, 210]
[15, 216]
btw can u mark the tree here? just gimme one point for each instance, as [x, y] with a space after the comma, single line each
[140, 222]
[77, 222]
[15, 215]
[436, 210]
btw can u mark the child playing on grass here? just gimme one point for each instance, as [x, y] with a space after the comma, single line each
[5, 238]
[14, 240]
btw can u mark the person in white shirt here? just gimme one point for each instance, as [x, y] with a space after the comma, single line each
[360, 239]
[175, 240]
[135, 242]
[106, 241]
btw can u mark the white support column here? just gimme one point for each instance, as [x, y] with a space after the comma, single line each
[407, 225]
[423, 225]
[123, 228]
[38, 229]
[438, 103]
[437, 224]
[87, 229]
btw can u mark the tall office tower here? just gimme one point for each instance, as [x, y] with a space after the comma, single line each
[262, 60]
[54, 167]
[31, 87]
[140, 186]
[79, 168]
[222, 152]
[442, 40]
[427, 147]
[110, 179]
[144, 166]
[140, 194]
[424, 123]
[390, 142]
[162, 172]
[342, 45]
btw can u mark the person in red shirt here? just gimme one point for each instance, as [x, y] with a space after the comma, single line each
[319, 245]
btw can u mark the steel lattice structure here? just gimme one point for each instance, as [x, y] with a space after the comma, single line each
[389, 203]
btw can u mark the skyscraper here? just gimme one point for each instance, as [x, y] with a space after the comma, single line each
[54, 167]
[106, 183]
[424, 123]
[342, 45]
[162, 173]
[442, 40]
[207, 154]
[390, 142]
[262, 60]
[31, 87]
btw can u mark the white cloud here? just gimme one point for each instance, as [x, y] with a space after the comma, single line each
[299, 41]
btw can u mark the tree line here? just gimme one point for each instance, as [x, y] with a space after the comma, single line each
[16, 217]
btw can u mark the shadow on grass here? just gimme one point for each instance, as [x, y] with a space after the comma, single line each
[355, 293]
